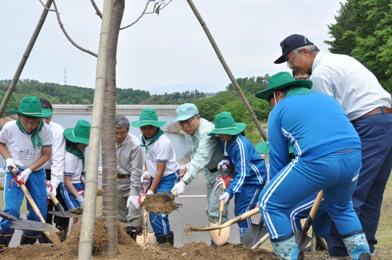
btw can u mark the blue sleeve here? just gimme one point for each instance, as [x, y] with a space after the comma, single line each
[241, 160]
[278, 153]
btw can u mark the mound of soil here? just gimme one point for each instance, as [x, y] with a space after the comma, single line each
[129, 249]
[160, 203]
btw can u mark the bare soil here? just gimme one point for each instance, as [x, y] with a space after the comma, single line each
[160, 203]
[129, 249]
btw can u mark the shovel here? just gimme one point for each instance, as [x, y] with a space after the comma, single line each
[255, 233]
[228, 223]
[221, 236]
[23, 224]
[61, 213]
[302, 238]
[52, 236]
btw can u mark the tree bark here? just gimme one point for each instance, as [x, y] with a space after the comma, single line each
[109, 162]
[25, 56]
[108, 39]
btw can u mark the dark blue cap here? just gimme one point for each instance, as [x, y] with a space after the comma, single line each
[290, 43]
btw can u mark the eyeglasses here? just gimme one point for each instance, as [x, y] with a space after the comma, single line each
[183, 122]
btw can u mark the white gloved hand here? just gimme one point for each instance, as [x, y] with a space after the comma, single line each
[149, 192]
[225, 196]
[133, 200]
[80, 199]
[49, 189]
[23, 176]
[179, 188]
[223, 165]
[11, 166]
[146, 176]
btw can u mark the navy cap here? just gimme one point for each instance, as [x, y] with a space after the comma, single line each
[290, 43]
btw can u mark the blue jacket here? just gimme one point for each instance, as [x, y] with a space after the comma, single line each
[313, 123]
[249, 167]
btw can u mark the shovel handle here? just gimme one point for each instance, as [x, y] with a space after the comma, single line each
[245, 215]
[56, 202]
[221, 206]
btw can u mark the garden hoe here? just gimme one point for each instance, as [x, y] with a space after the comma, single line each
[24, 224]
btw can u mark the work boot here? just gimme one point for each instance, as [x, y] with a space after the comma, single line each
[5, 239]
[357, 246]
[133, 232]
[27, 240]
[287, 249]
[166, 239]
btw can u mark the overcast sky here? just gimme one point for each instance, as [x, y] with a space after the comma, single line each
[162, 53]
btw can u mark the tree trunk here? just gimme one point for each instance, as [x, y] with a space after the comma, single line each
[109, 177]
[112, 14]
[25, 56]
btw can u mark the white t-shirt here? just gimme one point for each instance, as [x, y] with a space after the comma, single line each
[56, 162]
[73, 166]
[161, 151]
[354, 86]
[20, 145]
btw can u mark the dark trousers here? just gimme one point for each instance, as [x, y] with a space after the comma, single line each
[376, 137]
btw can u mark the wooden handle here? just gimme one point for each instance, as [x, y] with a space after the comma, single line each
[221, 206]
[316, 204]
[243, 216]
[32, 203]
[54, 199]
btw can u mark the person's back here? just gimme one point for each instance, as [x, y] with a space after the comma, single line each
[314, 123]
[347, 80]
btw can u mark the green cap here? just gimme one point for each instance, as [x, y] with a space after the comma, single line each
[80, 133]
[225, 125]
[30, 106]
[279, 81]
[148, 116]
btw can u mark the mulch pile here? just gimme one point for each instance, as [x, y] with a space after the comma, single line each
[129, 249]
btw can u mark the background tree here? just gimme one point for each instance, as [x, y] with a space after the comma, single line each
[363, 29]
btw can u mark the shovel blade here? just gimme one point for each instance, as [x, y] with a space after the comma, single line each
[65, 214]
[220, 236]
[302, 240]
[33, 226]
[254, 234]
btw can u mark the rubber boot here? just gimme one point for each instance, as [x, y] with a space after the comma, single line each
[357, 246]
[5, 239]
[287, 249]
[170, 238]
[166, 239]
[42, 239]
[133, 232]
[27, 240]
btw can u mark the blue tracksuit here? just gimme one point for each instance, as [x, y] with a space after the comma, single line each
[248, 177]
[327, 157]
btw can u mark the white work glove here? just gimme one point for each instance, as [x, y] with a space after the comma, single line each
[49, 188]
[149, 192]
[225, 196]
[23, 176]
[179, 188]
[80, 199]
[11, 166]
[223, 165]
[133, 199]
[145, 177]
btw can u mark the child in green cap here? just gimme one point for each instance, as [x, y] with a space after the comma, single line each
[72, 188]
[249, 168]
[162, 167]
[26, 145]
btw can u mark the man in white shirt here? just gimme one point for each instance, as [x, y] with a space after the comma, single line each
[54, 169]
[368, 106]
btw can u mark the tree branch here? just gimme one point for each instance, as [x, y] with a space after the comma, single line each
[161, 8]
[97, 11]
[67, 35]
[44, 6]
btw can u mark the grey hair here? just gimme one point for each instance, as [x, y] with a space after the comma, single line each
[311, 48]
[121, 121]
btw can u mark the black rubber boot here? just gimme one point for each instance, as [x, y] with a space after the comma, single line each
[5, 239]
[27, 240]
[166, 239]
[170, 238]
[133, 232]
[42, 239]
[364, 256]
